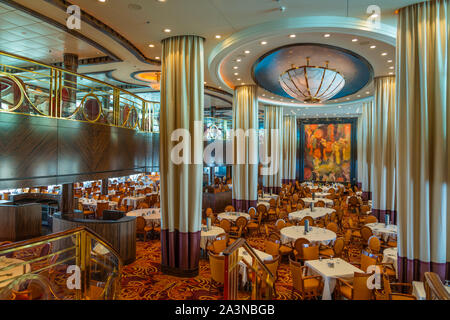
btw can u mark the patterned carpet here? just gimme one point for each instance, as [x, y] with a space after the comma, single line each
[143, 279]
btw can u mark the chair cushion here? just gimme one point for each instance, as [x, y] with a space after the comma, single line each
[311, 284]
[327, 252]
[346, 292]
[285, 250]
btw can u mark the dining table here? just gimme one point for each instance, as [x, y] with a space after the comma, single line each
[308, 201]
[317, 213]
[382, 230]
[232, 216]
[208, 236]
[151, 215]
[315, 235]
[329, 270]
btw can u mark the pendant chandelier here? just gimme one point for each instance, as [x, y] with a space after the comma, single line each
[312, 84]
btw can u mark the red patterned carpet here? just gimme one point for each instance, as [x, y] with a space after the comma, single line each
[143, 280]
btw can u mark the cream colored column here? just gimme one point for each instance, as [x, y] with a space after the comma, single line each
[245, 155]
[289, 149]
[365, 148]
[423, 121]
[182, 106]
[383, 149]
[273, 125]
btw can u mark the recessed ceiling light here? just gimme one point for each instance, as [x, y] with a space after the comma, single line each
[238, 60]
[340, 107]
[384, 54]
[389, 61]
[348, 98]
[367, 92]
[326, 35]
[151, 45]
[292, 36]
[218, 36]
[235, 67]
[157, 58]
[263, 42]
[161, 0]
[354, 40]
[264, 95]
[243, 83]
[373, 47]
[392, 68]
[246, 51]
[359, 96]
[101, 0]
[167, 30]
[391, 73]
[236, 73]
[238, 79]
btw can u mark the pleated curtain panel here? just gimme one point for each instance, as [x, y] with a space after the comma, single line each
[182, 103]
[383, 152]
[423, 93]
[365, 149]
[273, 124]
[245, 155]
[289, 149]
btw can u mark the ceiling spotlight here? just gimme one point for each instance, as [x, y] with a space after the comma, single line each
[218, 36]
[238, 60]
[340, 107]
[236, 73]
[264, 95]
[389, 61]
[384, 54]
[367, 92]
[238, 79]
[235, 68]
[292, 36]
[161, 0]
[101, 0]
[391, 73]
[263, 42]
[246, 51]
[392, 68]
[326, 35]
[243, 83]
[167, 30]
[157, 58]
[373, 47]
[151, 45]
[354, 40]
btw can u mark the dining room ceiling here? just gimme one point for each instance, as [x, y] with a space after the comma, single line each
[230, 28]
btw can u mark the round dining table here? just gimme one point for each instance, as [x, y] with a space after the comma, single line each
[308, 201]
[232, 216]
[151, 215]
[381, 230]
[92, 203]
[317, 213]
[208, 236]
[315, 235]
[321, 194]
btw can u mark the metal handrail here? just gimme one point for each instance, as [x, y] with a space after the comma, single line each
[434, 288]
[233, 249]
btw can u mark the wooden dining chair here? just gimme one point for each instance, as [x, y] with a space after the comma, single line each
[225, 224]
[309, 218]
[332, 227]
[230, 208]
[298, 248]
[283, 249]
[309, 287]
[254, 225]
[403, 291]
[217, 269]
[357, 290]
[271, 248]
[319, 204]
[142, 228]
[335, 251]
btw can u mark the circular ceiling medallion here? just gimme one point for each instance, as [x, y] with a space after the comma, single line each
[153, 78]
[356, 70]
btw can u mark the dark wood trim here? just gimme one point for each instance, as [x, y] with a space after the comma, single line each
[301, 144]
[179, 273]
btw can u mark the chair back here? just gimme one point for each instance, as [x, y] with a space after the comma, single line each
[361, 290]
[310, 219]
[252, 212]
[366, 233]
[367, 260]
[142, 205]
[310, 252]
[219, 245]
[280, 224]
[230, 209]
[271, 248]
[262, 209]
[338, 247]
[371, 219]
[140, 224]
[296, 272]
[272, 265]
[217, 267]
[101, 206]
[374, 244]
[241, 222]
[225, 225]
[298, 244]
[320, 204]
[333, 227]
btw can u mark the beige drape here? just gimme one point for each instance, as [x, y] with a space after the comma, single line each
[273, 125]
[365, 148]
[182, 105]
[423, 92]
[245, 155]
[289, 149]
[383, 153]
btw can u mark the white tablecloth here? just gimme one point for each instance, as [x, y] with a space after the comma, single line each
[308, 201]
[380, 230]
[233, 216]
[11, 273]
[316, 214]
[207, 237]
[315, 236]
[133, 201]
[321, 194]
[390, 255]
[151, 215]
[243, 254]
[342, 269]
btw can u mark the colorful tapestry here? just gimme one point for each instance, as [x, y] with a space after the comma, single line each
[327, 152]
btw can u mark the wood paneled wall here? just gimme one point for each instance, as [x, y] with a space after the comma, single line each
[42, 151]
[20, 222]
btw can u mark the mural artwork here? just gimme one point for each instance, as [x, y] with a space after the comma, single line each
[327, 152]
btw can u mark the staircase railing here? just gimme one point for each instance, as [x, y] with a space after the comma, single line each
[262, 278]
[434, 288]
[75, 264]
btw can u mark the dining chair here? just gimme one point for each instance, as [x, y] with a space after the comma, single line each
[332, 227]
[283, 249]
[310, 252]
[217, 269]
[319, 204]
[298, 248]
[271, 248]
[335, 251]
[357, 290]
[225, 224]
[308, 286]
[142, 228]
[386, 293]
[240, 227]
[230, 208]
[255, 225]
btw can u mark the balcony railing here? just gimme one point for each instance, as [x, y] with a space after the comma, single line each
[33, 88]
[75, 264]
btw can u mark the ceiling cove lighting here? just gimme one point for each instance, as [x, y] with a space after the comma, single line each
[312, 84]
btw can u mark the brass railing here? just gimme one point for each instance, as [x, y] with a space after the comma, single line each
[434, 288]
[75, 264]
[34, 88]
[262, 279]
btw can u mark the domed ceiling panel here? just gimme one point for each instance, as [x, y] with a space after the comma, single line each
[356, 70]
